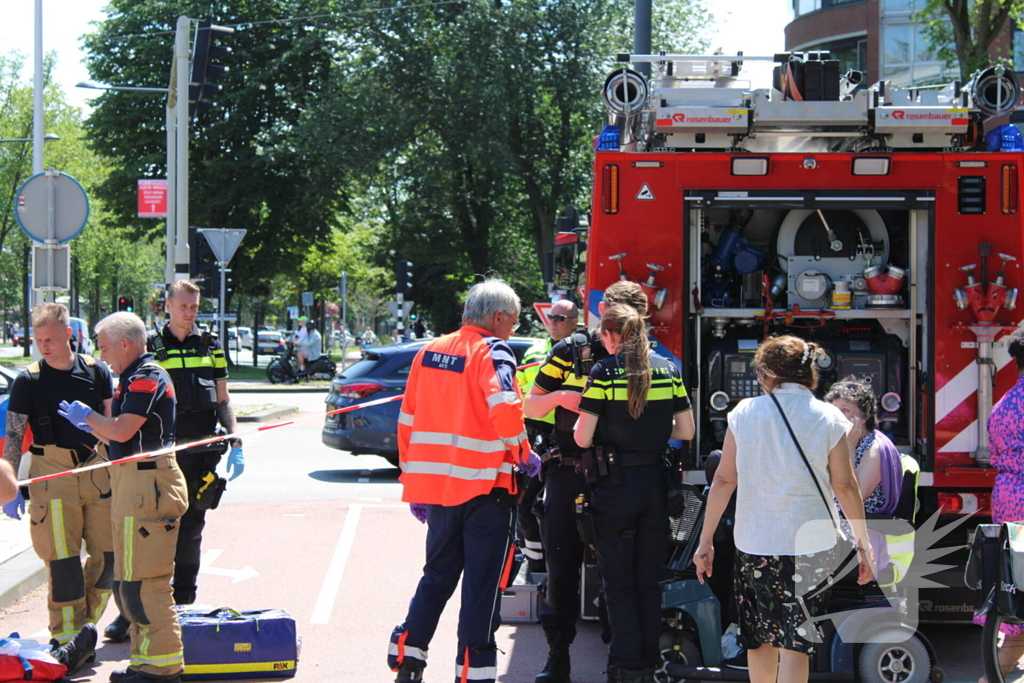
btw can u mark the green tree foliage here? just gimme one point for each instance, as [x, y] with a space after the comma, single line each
[244, 169]
[474, 121]
[450, 132]
[963, 31]
[106, 261]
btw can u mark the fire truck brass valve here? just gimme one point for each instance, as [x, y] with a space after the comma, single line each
[618, 258]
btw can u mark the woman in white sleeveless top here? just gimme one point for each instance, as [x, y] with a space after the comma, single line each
[785, 533]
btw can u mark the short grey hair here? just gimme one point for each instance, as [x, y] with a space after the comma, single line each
[123, 325]
[487, 298]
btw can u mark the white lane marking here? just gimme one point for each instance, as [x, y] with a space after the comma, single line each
[336, 570]
[236, 575]
[364, 477]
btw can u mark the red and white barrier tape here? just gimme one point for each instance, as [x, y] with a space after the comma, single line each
[214, 439]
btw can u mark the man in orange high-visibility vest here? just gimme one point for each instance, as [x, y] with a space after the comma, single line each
[460, 433]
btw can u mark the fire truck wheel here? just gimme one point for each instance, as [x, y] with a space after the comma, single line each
[894, 662]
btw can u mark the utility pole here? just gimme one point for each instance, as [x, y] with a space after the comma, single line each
[642, 33]
[180, 84]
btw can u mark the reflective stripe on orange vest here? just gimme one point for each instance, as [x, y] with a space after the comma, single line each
[460, 428]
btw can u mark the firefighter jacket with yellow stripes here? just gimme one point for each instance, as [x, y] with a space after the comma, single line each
[527, 376]
[461, 429]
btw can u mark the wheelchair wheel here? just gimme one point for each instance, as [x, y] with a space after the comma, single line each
[676, 648]
[888, 661]
[990, 646]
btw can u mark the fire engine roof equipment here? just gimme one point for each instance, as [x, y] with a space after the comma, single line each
[697, 102]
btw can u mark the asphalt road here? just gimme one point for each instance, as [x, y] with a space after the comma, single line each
[323, 535]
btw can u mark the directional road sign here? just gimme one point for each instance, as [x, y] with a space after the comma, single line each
[406, 307]
[223, 241]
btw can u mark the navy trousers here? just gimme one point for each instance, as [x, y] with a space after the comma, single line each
[632, 547]
[563, 549]
[472, 540]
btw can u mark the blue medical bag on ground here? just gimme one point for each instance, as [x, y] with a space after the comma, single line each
[222, 643]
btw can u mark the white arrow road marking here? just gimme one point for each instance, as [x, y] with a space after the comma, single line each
[236, 575]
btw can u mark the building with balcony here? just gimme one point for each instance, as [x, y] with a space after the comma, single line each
[881, 39]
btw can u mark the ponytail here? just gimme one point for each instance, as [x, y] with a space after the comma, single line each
[634, 352]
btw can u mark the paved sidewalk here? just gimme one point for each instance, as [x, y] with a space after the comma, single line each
[20, 569]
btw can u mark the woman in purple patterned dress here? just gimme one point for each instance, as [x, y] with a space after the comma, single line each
[1006, 452]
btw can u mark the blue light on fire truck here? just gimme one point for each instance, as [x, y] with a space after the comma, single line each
[1004, 139]
[609, 138]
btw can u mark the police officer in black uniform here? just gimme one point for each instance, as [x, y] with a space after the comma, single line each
[635, 402]
[197, 366]
[558, 387]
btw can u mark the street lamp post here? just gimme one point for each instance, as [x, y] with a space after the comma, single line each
[171, 128]
[47, 137]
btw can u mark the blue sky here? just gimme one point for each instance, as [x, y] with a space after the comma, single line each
[754, 26]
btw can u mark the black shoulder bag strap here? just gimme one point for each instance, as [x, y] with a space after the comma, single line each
[43, 432]
[94, 374]
[828, 505]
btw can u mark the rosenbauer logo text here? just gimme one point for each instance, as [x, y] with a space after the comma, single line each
[680, 117]
[901, 115]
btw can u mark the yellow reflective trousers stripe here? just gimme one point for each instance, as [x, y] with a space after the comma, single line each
[129, 547]
[60, 544]
[160, 660]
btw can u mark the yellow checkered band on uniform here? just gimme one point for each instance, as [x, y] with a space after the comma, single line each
[662, 389]
[182, 358]
[248, 667]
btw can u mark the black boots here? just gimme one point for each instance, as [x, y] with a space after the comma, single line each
[74, 653]
[558, 666]
[129, 676]
[618, 675]
[118, 629]
[411, 671]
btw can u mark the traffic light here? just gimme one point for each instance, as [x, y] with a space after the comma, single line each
[202, 265]
[204, 71]
[403, 276]
[126, 303]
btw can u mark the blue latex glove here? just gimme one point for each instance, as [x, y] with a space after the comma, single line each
[236, 463]
[419, 511]
[85, 427]
[16, 507]
[76, 413]
[532, 465]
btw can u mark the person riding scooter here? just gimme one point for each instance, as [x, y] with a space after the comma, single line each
[309, 346]
[317, 367]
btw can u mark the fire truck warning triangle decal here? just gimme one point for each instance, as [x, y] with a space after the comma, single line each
[645, 193]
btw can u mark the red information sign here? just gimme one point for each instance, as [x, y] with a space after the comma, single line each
[152, 199]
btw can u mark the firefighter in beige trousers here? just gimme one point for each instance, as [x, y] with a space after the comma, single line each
[149, 497]
[70, 510]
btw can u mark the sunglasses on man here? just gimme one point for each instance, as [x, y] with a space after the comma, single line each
[560, 318]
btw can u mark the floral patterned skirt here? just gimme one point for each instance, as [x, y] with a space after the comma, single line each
[777, 594]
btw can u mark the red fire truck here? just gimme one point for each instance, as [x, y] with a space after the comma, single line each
[871, 220]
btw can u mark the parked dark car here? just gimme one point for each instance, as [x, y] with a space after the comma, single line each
[269, 343]
[381, 372]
